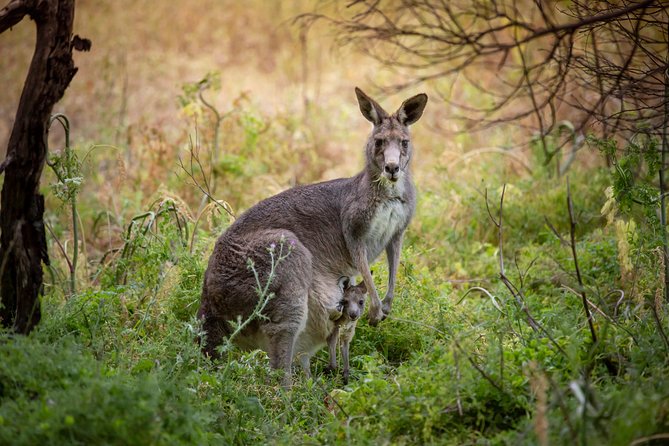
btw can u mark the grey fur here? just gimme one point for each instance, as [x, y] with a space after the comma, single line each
[336, 228]
[353, 304]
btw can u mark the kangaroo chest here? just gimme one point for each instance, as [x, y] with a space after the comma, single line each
[389, 218]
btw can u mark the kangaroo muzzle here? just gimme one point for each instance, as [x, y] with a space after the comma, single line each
[391, 167]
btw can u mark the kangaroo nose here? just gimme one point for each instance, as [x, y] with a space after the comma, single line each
[392, 168]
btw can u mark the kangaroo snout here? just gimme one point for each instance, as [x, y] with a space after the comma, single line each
[393, 170]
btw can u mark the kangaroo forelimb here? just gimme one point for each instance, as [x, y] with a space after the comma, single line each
[393, 251]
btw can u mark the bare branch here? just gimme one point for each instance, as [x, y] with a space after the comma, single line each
[572, 244]
[203, 185]
[515, 292]
[13, 13]
[586, 61]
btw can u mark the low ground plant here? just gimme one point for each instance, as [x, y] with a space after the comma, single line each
[527, 312]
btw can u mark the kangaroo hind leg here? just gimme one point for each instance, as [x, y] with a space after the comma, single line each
[286, 312]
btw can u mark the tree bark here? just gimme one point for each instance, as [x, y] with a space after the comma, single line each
[22, 237]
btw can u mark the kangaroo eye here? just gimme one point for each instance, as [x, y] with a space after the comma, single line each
[405, 143]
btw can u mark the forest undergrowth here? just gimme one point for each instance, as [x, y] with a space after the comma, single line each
[529, 306]
[489, 341]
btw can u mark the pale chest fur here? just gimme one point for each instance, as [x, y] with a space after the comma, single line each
[347, 329]
[315, 333]
[389, 218]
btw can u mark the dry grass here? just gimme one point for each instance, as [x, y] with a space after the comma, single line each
[143, 51]
[126, 119]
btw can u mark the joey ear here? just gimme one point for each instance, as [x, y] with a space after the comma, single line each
[344, 283]
[362, 287]
[412, 109]
[369, 108]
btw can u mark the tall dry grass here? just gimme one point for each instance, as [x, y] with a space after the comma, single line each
[144, 50]
[129, 129]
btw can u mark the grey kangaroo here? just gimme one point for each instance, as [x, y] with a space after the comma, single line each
[352, 306]
[335, 229]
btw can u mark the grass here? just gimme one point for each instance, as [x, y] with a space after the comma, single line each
[118, 362]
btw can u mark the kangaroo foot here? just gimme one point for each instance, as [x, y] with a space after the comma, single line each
[387, 305]
[286, 381]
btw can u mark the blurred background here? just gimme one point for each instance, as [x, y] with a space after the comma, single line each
[297, 82]
[186, 113]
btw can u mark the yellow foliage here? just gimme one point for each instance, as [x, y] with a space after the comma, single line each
[192, 110]
[625, 231]
[610, 207]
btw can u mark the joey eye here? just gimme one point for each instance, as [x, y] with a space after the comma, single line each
[361, 302]
[378, 143]
[405, 143]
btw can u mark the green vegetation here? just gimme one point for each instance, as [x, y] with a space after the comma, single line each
[463, 359]
[457, 361]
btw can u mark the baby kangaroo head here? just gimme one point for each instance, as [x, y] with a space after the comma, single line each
[389, 146]
[353, 301]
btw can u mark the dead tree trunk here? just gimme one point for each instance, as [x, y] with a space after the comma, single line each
[22, 237]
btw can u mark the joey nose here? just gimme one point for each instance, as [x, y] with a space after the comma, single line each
[392, 168]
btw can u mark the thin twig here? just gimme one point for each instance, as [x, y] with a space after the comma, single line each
[487, 293]
[663, 181]
[572, 234]
[60, 246]
[555, 232]
[650, 438]
[64, 121]
[515, 292]
[658, 323]
[460, 348]
[204, 189]
[600, 311]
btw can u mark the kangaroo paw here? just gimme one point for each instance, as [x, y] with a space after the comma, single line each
[335, 313]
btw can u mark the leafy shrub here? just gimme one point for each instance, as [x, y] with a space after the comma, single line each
[59, 394]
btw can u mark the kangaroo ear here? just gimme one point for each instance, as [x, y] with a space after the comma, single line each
[369, 108]
[412, 109]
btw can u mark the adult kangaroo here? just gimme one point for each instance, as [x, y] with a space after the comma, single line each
[334, 229]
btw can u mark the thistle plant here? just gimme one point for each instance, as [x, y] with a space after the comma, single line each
[262, 290]
[67, 168]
